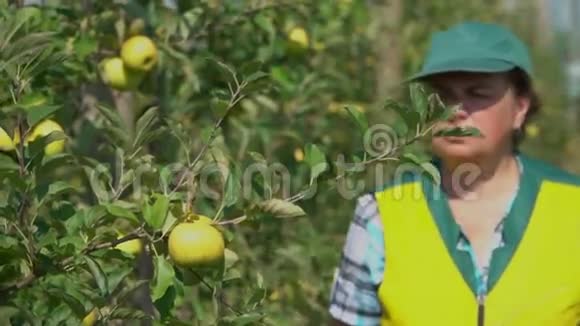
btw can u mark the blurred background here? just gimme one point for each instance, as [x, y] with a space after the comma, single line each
[321, 55]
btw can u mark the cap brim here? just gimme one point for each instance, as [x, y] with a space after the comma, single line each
[465, 65]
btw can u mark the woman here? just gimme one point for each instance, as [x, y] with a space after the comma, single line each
[499, 247]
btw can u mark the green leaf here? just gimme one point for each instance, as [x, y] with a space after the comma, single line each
[7, 241]
[58, 315]
[257, 157]
[250, 68]
[257, 297]
[250, 318]
[206, 133]
[117, 277]
[57, 160]
[32, 100]
[75, 305]
[165, 173]
[219, 106]
[231, 275]
[54, 189]
[126, 314]
[359, 117]
[164, 274]
[119, 211]
[10, 248]
[432, 172]
[156, 214]
[123, 296]
[7, 312]
[98, 185]
[37, 146]
[410, 117]
[85, 46]
[458, 132]
[169, 222]
[419, 99]
[265, 23]
[220, 94]
[35, 115]
[166, 303]
[316, 160]
[98, 275]
[256, 76]
[281, 76]
[7, 163]
[112, 116]
[232, 187]
[410, 157]
[231, 258]
[281, 208]
[144, 125]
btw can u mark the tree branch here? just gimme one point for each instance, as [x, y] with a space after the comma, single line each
[204, 31]
[386, 156]
[234, 100]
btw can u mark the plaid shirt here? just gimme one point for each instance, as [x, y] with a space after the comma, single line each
[354, 300]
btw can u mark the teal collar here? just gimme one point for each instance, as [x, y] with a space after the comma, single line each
[515, 223]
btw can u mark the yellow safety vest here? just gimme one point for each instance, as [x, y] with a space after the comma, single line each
[423, 286]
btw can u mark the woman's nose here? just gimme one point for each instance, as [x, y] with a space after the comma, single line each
[459, 113]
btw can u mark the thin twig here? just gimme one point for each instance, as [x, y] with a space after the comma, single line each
[30, 278]
[237, 312]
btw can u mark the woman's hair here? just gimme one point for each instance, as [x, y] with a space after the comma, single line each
[523, 86]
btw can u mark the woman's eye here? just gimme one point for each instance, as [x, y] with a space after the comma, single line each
[479, 94]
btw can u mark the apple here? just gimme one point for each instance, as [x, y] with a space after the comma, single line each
[139, 53]
[116, 75]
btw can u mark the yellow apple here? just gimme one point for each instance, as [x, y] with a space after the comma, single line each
[298, 40]
[116, 75]
[136, 27]
[133, 247]
[298, 154]
[196, 244]
[91, 318]
[43, 129]
[532, 130]
[139, 53]
[6, 144]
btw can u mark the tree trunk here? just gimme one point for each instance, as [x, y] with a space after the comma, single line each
[543, 26]
[387, 21]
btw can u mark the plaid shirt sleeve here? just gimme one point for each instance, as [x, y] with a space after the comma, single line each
[354, 298]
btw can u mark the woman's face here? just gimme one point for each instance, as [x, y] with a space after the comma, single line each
[486, 102]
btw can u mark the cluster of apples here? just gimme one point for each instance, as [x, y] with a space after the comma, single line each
[125, 72]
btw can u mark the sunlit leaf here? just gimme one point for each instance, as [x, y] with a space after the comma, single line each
[156, 214]
[281, 208]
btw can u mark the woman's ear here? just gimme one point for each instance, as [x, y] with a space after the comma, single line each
[521, 107]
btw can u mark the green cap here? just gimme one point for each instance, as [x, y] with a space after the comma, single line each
[475, 47]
